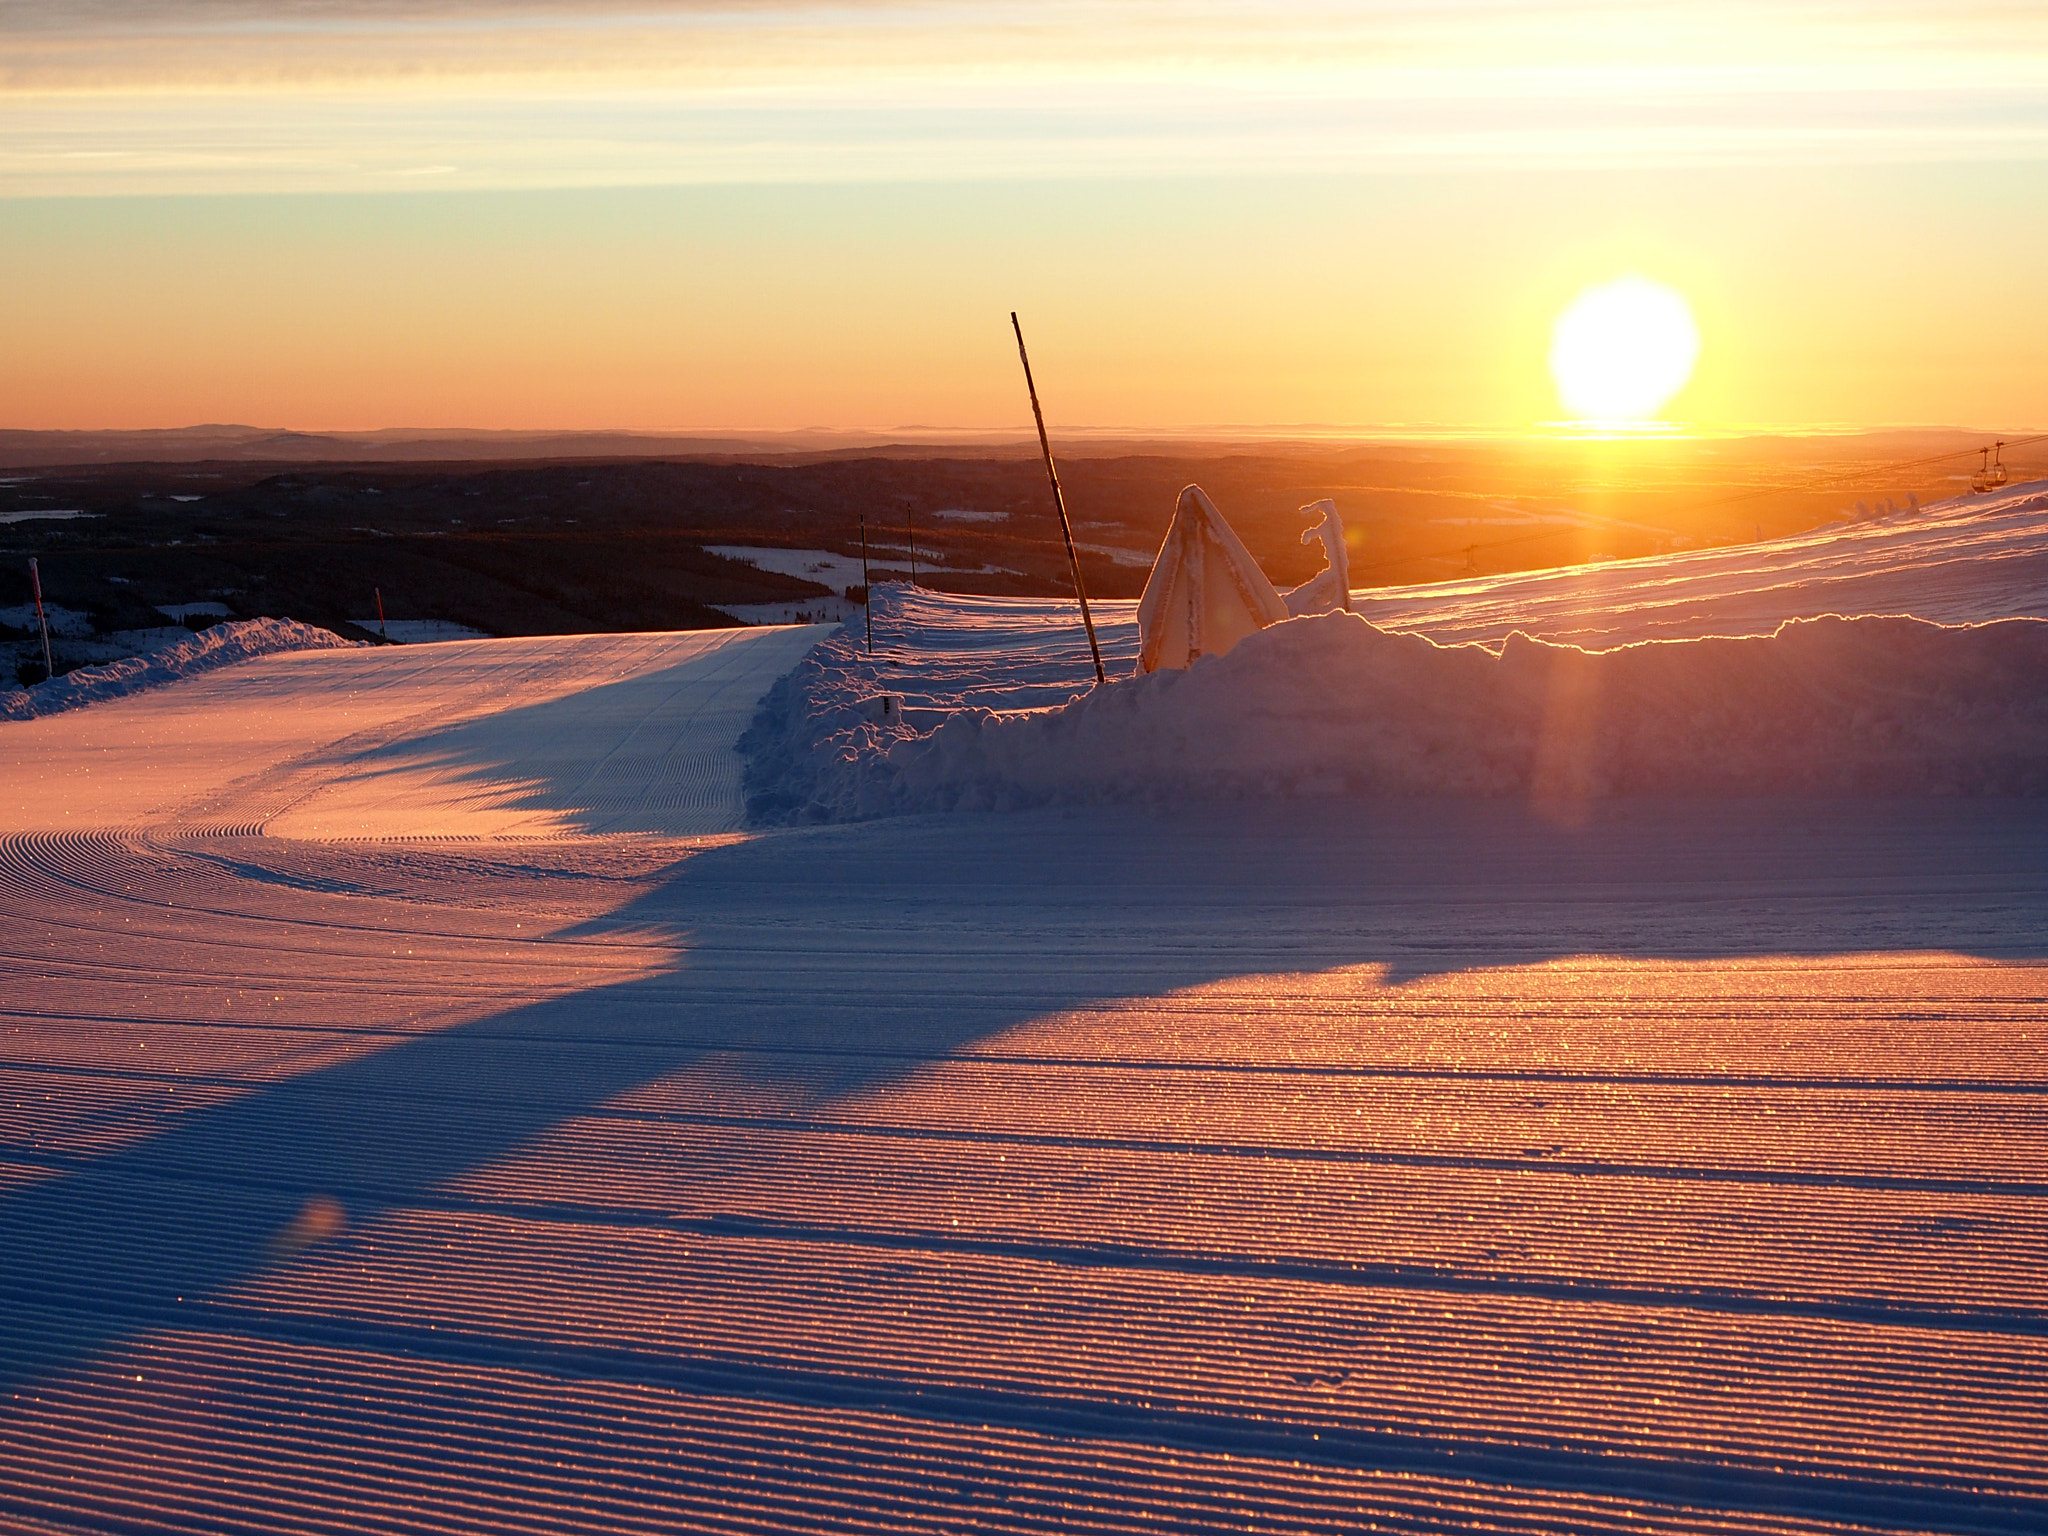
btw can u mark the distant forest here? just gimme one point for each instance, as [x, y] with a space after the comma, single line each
[579, 545]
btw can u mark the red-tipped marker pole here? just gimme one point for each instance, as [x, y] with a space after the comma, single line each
[1058, 500]
[867, 586]
[35, 580]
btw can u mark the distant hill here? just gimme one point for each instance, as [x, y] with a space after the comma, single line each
[185, 445]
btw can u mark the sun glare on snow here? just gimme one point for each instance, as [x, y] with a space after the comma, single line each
[1621, 350]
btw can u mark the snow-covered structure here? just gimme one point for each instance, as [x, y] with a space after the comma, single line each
[1780, 667]
[1205, 592]
[1329, 590]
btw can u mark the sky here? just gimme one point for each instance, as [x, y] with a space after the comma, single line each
[1212, 216]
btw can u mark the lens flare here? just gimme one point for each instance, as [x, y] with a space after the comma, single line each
[1622, 350]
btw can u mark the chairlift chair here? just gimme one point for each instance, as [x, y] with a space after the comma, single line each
[1991, 475]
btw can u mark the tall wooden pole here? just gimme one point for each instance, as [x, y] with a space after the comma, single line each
[1058, 500]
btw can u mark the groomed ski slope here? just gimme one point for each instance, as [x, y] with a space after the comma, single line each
[427, 1104]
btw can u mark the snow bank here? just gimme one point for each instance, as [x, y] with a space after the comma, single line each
[1727, 670]
[1956, 562]
[1335, 705]
[219, 646]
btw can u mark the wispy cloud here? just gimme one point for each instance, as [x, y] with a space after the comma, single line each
[184, 95]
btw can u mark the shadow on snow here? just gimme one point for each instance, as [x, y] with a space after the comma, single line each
[892, 945]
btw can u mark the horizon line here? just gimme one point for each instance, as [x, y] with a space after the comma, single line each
[1541, 431]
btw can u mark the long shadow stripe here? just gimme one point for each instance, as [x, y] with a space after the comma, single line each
[1919, 1501]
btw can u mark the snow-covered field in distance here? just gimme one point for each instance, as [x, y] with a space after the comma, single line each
[820, 565]
[840, 572]
[426, 1106]
[66, 622]
[417, 631]
[813, 610]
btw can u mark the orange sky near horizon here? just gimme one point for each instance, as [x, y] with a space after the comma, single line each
[347, 214]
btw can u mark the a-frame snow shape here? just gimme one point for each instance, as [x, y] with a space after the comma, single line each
[1205, 592]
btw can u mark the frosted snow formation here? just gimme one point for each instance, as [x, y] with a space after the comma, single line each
[1907, 657]
[1205, 593]
[215, 647]
[1330, 588]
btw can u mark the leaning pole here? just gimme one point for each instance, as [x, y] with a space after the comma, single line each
[1058, 500]
[35, 580]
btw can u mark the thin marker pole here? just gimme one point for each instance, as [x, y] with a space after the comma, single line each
[379, 591]
[35, 580]
[1059, 501]
[867, 587]
[910, 518]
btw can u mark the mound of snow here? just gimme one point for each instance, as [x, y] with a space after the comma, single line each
[1956, 562]
[219, 646]
[1729, 669]
[1335, 705]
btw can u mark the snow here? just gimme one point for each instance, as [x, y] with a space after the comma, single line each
[543, 737]
[814, 610]
[838, 572]
[1771, 690]
[820, 565]
[530, 737]
[67, 623]
[418, 631]
[1330, 588]
[184, 611]
[427, 1105]
[1206, 592]
[1331, 705]
[220, 646]
[1136, 559]
[52, 515]
[1953, 562]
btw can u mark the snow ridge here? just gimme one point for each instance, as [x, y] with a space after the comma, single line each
[219, 646]
[1334, 705]
[1903, 656]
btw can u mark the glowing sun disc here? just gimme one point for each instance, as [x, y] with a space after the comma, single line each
[1623, 349]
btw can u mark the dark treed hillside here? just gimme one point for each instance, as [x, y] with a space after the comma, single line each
[585, 545]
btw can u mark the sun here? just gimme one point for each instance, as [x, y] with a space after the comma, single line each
[1623, 349]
